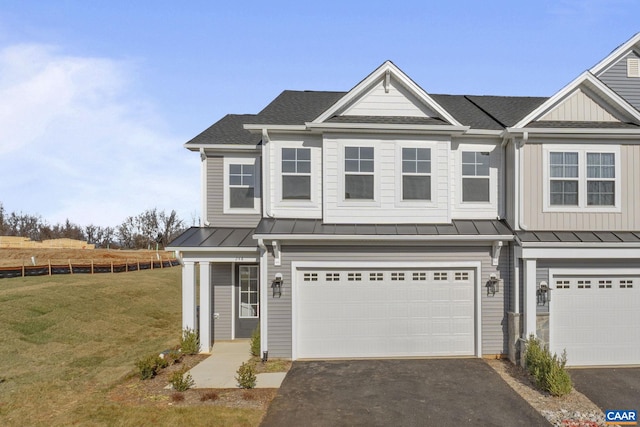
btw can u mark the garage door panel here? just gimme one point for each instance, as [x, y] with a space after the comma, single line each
[384, 313]
[596, 320]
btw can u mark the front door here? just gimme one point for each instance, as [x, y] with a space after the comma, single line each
[247, 299]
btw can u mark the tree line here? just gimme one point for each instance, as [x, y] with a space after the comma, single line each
[147, 230]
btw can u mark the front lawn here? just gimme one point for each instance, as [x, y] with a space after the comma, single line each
[69, 341]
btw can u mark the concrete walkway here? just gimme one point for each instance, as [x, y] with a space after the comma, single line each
[219, 369]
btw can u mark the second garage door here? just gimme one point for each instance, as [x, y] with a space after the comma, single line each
[343, 313]
[596, 318]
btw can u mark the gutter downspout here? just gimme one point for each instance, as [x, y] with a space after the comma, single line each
[203, 188]
[264, 293]
[519, 167]
[266, 175]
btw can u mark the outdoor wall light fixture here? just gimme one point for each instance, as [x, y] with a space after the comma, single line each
[543, 295]
[276, 286]
[493, 285]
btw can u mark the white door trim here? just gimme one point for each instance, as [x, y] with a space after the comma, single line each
[476, 265]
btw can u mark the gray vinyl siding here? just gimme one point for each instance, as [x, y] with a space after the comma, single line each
[215, 199]
[221, 280]
[616, 78]
[493, 308]
[542, 273]
[535, 218]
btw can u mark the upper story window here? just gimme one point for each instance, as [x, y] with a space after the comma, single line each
[241, 186]
[583, 178]
[601, 179]
[475, 176]
[416, 173]
[358, 173]
[563, 184]
[296, 173]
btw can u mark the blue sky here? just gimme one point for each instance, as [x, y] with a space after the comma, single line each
[99, 96]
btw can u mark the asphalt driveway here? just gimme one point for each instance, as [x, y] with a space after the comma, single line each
[429, 392]
[609, 388]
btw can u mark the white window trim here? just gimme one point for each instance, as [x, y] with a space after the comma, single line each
[257, 292]
[227, 209]
[476, 209]
[582, 151]
[490, 177]
[399, 174]
[376, 174]
[296, 203]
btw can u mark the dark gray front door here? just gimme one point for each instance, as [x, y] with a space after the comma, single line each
[247, 289]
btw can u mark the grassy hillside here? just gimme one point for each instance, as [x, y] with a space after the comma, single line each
[67, 340]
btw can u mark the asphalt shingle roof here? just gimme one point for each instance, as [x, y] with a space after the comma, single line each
[299, 107]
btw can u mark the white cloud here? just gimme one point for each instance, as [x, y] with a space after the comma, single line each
[76, 142]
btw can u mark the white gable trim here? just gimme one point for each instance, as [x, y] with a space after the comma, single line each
[616, 55]
[381, 73]
[595, 85]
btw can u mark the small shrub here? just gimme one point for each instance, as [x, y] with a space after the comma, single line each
[172, 357]
[189, 343]
[557, 378]
[548, 370]
[255, 342]
[149, 366]
[177, 397]
[246, 376]
[209, 395]
[180, 381]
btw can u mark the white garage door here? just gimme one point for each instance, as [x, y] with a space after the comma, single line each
[596, 319]
[384, 313]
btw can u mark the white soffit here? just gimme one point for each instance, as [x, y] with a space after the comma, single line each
[387, 77]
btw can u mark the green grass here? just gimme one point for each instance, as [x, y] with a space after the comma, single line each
[67, 340]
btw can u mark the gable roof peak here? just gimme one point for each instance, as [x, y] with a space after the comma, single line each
[616, 54]
[386, 72]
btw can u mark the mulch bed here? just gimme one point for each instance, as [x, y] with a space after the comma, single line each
[154, 392]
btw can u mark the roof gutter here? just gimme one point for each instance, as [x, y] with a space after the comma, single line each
[384, 237]
[568, 133]
[222, 147]
[445, 129]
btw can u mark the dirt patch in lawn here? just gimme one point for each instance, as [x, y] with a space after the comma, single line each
[158, 392]
[17, 257]
[572, 410]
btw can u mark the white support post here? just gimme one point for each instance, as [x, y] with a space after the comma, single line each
[189, 295]
[205, 307]
[529, 298]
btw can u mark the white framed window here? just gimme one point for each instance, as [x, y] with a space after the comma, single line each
[296, 173]
[359, 177]
[476, 181]
[581, 179]
[601, 179]
[249, 291]
[416, 173]
[241, 185]
[563, 173]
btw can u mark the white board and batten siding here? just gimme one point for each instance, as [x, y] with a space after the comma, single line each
[280, 207]
[396, 102]
[387, 206]
[492, 309]
[594, 316]
[616, 78]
